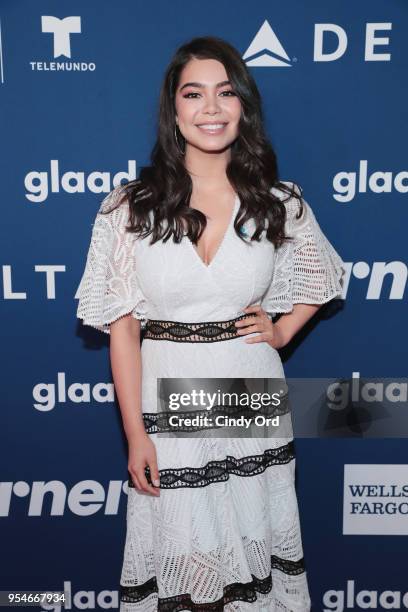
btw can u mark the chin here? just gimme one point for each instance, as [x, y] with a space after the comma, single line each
[214, 147]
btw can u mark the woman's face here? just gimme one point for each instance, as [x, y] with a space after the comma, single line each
[207, 109]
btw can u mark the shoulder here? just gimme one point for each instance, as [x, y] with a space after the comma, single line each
[114, 208]
[113, 199]
[285, 188]
[297, 209]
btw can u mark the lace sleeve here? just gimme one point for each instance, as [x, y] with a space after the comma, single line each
[307, 270]
[109, 287]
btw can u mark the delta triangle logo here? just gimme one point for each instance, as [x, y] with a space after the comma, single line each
[266, 50]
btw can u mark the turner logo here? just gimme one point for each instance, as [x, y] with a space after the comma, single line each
[61, 30]
[375, 499]
[350, 599]
[386, 280]
[52, 498]
[39, 183]
[267, 51]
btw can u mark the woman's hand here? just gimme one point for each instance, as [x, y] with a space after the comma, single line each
[268, 331]
[142, 452]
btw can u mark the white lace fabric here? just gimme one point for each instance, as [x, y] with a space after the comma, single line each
[109, 287]
[199, 547]
[307, 270]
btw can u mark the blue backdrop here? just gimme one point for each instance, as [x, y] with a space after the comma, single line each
[78, 108]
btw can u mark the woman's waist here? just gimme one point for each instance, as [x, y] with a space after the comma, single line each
[229, 359]
[199, 330]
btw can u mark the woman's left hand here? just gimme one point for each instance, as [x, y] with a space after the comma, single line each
[260, 323]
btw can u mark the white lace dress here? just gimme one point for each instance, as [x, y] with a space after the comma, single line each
[227, 538]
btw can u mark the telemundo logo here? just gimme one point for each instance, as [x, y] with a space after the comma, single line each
[61, 30]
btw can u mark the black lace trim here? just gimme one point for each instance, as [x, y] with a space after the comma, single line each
[205, 331]
[219, 471]
[237, 591]
[159, 422]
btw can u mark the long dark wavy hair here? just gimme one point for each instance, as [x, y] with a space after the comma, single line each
[165, 187]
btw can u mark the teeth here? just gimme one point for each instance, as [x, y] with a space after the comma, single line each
[215, 126]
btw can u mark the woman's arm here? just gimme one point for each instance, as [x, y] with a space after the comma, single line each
[290, 323]
[126, 365]
[276, 334]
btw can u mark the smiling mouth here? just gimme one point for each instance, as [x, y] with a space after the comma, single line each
[212, 128]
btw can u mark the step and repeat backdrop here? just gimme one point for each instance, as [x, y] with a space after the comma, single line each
[79, 85]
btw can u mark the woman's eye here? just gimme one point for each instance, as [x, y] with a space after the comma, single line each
[195, 93]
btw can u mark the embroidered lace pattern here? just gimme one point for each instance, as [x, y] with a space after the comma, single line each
[109, 287]
[224, 534]
[208, 331]
[308, 269]
[220, 471]
[237, 591]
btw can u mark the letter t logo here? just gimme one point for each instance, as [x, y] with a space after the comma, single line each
[61, 28]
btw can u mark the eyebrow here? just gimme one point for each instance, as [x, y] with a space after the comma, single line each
[195, 84]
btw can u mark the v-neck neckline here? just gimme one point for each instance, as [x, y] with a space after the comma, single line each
[223, 240]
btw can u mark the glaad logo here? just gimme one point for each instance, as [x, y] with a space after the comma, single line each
[266, 50]
[81, 600]
[39, 184]
[346, 184]
[268, 45]
[85, 498]
[360, 391]
[61, 29]
[338, 601]
[375, 499]
[46, 395]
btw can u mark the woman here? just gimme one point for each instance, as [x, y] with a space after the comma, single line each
[212, 523]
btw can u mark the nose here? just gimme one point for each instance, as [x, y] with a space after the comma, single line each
[211, 105]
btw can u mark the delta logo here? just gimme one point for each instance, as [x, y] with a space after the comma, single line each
[267, 51]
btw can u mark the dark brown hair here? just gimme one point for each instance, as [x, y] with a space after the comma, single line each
[164, 188]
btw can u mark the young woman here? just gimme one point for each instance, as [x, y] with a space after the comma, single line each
[216, 246]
